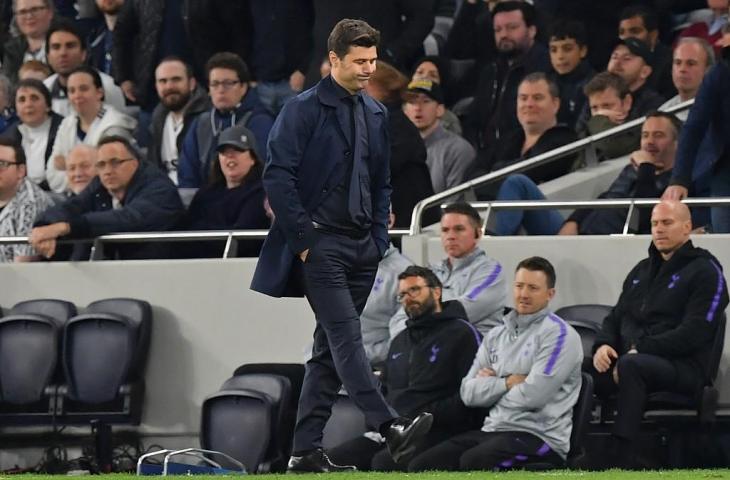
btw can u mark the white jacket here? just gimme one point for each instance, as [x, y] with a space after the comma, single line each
[113, 95]
[109, 122]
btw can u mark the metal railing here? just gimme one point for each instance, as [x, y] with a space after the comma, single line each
[231, 238]
[631, 203]
[544, 158]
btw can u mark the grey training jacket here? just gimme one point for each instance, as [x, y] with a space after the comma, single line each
[477, 281]
[547, 350]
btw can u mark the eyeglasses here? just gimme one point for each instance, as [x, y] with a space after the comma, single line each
[112, 162]
[29, 12]
[225, 84]
[5, 164]
[411, 292]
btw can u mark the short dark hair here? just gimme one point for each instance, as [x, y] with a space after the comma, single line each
[605, 80]
[535, 77]
[528, 11]
[425, 273]
[229, 61]
[37, 85]
[176, 58]
[671, 118]
[351, 33]
[64, 25]
[565, 28]
[463, 208]
[91, 71]
[539, 264]
[648, 16]
[127, 142]
[17, 148]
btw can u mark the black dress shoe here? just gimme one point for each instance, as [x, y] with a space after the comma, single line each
[315, 462]
[405, 435]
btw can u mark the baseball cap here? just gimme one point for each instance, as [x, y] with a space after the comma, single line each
[238, 137]
[637, 47]
[427, 87]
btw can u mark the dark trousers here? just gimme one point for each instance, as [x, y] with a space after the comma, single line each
[639, 375]
[366, 454]
[338, 275]
[478, 450]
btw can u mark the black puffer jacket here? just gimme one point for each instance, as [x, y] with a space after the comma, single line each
[426, 363]
[670, 308]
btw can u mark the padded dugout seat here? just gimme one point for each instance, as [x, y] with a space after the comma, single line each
[29, 351]
[104, 355]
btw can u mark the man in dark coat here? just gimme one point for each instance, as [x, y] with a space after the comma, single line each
[659, 334]
[403, 24]
[327, 179]
[703, 155]
[423, 369]
[128, 195]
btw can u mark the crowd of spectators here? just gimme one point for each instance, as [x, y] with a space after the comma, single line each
[471, 86]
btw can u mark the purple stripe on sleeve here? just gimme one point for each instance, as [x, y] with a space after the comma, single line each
[486, 283]
[558, 346]
[718, 293]
[477, 335]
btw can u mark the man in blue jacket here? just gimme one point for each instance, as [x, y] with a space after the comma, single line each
[703, 155]
[235, 102]
[327, 178]
[127, 195]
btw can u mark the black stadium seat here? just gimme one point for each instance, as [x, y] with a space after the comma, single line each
[29, 346]
[238, 423]
[278, 389]
[104, 354]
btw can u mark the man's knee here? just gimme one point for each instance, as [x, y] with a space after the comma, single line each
[629, 365]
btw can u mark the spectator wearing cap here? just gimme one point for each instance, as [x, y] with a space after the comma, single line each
[436, 69]
[233, 198]
[409, 174]
[235, 101]
[642, 23]
[631, 60]
[449, 157]
[128, 195]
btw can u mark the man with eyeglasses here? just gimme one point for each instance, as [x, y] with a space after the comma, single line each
[235, 102]
[21, 201]
[422, 371]
[34, 18]
[468, 274]
[127, 195]
[527, 372]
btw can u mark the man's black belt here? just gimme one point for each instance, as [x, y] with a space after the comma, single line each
[355, 233]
